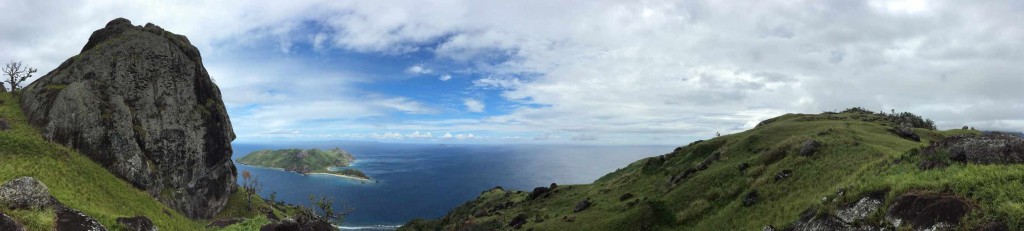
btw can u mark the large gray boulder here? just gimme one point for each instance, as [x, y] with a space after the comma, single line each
[25, 193]
[138, 101]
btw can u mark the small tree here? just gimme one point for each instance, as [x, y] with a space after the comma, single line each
[16, 74]
[250, 186]
[326, 207]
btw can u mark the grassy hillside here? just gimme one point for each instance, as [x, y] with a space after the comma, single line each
[80, 183]
[857, 155]
[304, 161]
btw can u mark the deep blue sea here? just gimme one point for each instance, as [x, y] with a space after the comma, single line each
[427, 180]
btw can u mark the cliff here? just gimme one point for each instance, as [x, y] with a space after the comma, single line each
[138, 101]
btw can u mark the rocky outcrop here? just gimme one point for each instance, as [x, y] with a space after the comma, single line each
[25, 193]
[69, 219]
[4, 125]
[137, 223]
[924, 211]
[809, 147]
[138, 101]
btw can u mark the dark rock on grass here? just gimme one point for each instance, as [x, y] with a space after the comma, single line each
[743, 167]
[582, 205]
[809, 147]
[225, 222]
[625, 196]
[518, 221]
[137, 223]
[750, 199]
[906, 131]
[926, 211]
[9, 224]
[4, 125]
[287, 224]
[25, 193]
[553, 186]
[537, 193]
[139, 102]
[707, 161]
[69, 219]
[782, 175]
[681, 176]
[568, 219]
[994, 226]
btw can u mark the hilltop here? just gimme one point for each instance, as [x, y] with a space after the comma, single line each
[850, 170]
[306, 161]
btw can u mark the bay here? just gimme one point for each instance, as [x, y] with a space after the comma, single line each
[427, 180]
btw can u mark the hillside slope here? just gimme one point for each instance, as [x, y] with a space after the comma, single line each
[306, 161]
[79, 183]
[854, 170]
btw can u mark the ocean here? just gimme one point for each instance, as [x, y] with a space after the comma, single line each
[427, 180]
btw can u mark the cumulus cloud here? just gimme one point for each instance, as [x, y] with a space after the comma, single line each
[473, 105]
[445, 77]
[418, 69]
[626, 70]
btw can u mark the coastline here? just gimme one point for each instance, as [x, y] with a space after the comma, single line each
[312, 173]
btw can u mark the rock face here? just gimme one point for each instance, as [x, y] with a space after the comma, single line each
[927, 211]
[137, 223]
[138, 101]
[25, 193]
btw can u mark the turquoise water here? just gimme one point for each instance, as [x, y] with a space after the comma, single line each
[427, 180]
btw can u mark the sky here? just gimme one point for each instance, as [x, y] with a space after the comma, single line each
[587, 72]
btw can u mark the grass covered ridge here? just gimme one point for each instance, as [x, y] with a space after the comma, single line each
[305, 161]
[82, 184]
[858, 155]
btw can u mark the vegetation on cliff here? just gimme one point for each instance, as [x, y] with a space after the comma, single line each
[305, 161]
[847, 170]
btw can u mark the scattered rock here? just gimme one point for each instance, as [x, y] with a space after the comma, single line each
[137, 223]
[69, 219]
[750, 198]
[480, 213]
[782, 175]
[537, 193]
[743, 167]
[553, 186]
[625, 196]
[569, 219]
[905, 130]
[225, 222]
[925, 211]
[139, 102]
[768, 228]
[810, 220]
[4, 125]
[582, 205]
[860, 210]
[25, 193]
[9, 224]
[681, 176]
[707, 161]
[518, 221]
[809, 147]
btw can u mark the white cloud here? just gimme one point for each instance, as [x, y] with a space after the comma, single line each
[624, 70]
[445, 77]
[473, 105]
[418, 69]
[418, 135]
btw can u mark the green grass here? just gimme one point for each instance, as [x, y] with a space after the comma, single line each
[857, 155]
[80, 183]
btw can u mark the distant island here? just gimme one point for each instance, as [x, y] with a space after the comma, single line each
[306, 161]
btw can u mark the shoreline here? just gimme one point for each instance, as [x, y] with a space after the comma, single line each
[316, 173]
